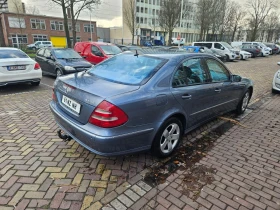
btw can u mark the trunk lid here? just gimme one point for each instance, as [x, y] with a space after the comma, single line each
[88, 91]
[5, 65]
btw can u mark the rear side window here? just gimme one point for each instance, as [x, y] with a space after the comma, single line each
[217, 71]
[128, 69]
[41, 52]
[208, 45]
[5, 54]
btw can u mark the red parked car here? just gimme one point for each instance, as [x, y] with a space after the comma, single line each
[96, 52]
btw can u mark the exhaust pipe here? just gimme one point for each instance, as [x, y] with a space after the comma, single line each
[64, 137]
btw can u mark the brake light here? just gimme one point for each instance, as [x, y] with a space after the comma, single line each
[54, 96]
[37, 66]
[107, 115]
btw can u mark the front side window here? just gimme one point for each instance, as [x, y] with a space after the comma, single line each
[128, 69]
[38, 24]
[47, 53]
[57, 25]
[191, 72]
[217, 71]
[95, 50]
[218, 46]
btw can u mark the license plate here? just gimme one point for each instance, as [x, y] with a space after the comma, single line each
[14, 68]
[73, 105]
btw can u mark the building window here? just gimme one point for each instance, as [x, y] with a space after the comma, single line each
[57, 25]
[145, 20]
[88, 28]
[15, 22]
[40, 38]
[146, 10]
[77, 27]
[137, 9]
[142, 10]
[38, 24]
[137, 19]
[19, 40]
[141, 20]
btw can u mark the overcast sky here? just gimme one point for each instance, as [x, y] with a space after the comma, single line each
[108, 14]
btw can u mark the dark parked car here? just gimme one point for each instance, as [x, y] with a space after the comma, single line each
[254, 50]
[146, 101]
[60, 61]
[273, 46]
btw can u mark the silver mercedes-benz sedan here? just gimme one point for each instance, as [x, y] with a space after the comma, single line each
[131, 103]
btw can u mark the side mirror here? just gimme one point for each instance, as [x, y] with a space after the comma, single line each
[236, 78]
[222, 48]
[278, 63]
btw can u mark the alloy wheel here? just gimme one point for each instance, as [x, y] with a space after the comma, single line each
[170, 138]
[245, 101]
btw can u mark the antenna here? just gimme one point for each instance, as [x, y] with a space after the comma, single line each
[136, 54]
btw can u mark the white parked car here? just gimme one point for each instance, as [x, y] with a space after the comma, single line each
[40, 44]
[276, 81]
[245, 55]
[18, 67]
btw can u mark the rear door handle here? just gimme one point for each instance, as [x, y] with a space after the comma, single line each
[186, 96]
[218, 90]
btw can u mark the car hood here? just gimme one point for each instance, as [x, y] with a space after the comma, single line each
[74, 62]
[93, 85]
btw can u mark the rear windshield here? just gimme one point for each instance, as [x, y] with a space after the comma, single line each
[128, 69]
[110, 49]
[5, 54]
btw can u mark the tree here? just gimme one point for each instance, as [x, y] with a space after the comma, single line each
[33, 10]
[63, 4]
[76, 7]
[19, 19]
[258, 12]
[169, 16]
[2, 40]
[238, 17]
[203, 17]
[271, 25]
[129, 17]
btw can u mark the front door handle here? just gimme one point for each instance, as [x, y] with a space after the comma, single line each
[186, 96]
[218, 90]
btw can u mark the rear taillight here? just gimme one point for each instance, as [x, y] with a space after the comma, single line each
[54, 96]
[37, 66]
[107, 115]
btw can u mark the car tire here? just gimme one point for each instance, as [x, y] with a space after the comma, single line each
[227, 58]
[59, 73]
[274, 91]
[35, 83]
[243, 104]
[164, 145]
[241, 57]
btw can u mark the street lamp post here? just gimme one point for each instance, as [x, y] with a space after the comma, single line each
[90, 25]
[182, 4]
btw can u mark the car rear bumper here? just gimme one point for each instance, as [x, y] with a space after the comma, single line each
[102, 144]
[34, 76]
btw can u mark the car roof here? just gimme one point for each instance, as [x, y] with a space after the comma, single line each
[98, 43]
[8, 48]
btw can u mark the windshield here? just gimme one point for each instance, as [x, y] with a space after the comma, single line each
[5, 54]
[127, 69]
[261, 44]
[110, 49]
[66, 54]
[226, 45]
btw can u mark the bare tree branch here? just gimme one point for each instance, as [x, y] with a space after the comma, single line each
[129, 17]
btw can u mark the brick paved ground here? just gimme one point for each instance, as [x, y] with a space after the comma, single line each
[39, 171]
